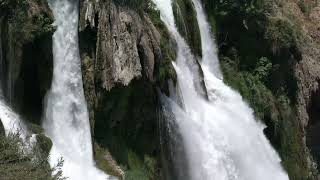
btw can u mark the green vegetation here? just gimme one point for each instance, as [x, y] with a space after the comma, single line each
[17, 162]
[24, 25]
[164, 69]
[187, 24]
[258, 50]
[126, 122]
[142, 170]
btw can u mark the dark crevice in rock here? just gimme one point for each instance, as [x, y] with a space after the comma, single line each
[270, 132]
[313, 129]
[34, 79]
[125, 120]
[88, 39]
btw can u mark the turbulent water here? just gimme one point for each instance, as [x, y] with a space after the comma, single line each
[66, 119]
[223, 140]
[11, 121]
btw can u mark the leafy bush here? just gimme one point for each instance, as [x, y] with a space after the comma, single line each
[258, 48]
[18, 162]
[280, 33]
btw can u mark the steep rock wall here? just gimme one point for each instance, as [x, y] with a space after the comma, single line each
[126, 56]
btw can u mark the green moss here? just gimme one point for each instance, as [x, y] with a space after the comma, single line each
[126, 120]
[140, 169]
[44, 143]
[280, 33]
[164, 69]
[36, 129]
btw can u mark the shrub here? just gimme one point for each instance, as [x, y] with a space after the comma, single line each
[18, 162]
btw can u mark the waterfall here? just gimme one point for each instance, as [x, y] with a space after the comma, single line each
[209, 50]
[66, 119]
[11, 121]
[14, 125]
[223, 140]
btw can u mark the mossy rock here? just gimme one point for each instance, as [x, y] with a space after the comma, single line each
[141, 168]
[44, 144]
[126, 118]
[164, 70]
[34, 128]
[16, 164]
[280, 33]
[187, 24]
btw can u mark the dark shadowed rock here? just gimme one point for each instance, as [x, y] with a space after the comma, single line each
[2, 131]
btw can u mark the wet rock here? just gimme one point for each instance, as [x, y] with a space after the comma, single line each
[2, 131]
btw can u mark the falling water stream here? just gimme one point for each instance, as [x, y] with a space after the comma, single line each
[66, 119]
[11, 121]
[223, 140]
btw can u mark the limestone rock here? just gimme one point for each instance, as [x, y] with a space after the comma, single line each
[126, 47]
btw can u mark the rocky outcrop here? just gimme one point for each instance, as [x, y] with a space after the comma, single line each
[126, 55]
[307, 72]
[26, 55]
[127, 45]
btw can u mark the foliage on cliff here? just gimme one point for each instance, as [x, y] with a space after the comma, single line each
[17, 162]
[27, 19]
[187, 24]
[259, 45]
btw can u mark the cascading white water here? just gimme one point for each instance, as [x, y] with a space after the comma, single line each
[223, 140]
[11, 121]
[209, 50]
[14, 125]
[66, 119]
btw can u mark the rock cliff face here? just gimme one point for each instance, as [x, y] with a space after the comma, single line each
[26, 55]
[307, 72]
[125, 44]
[126, 55]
